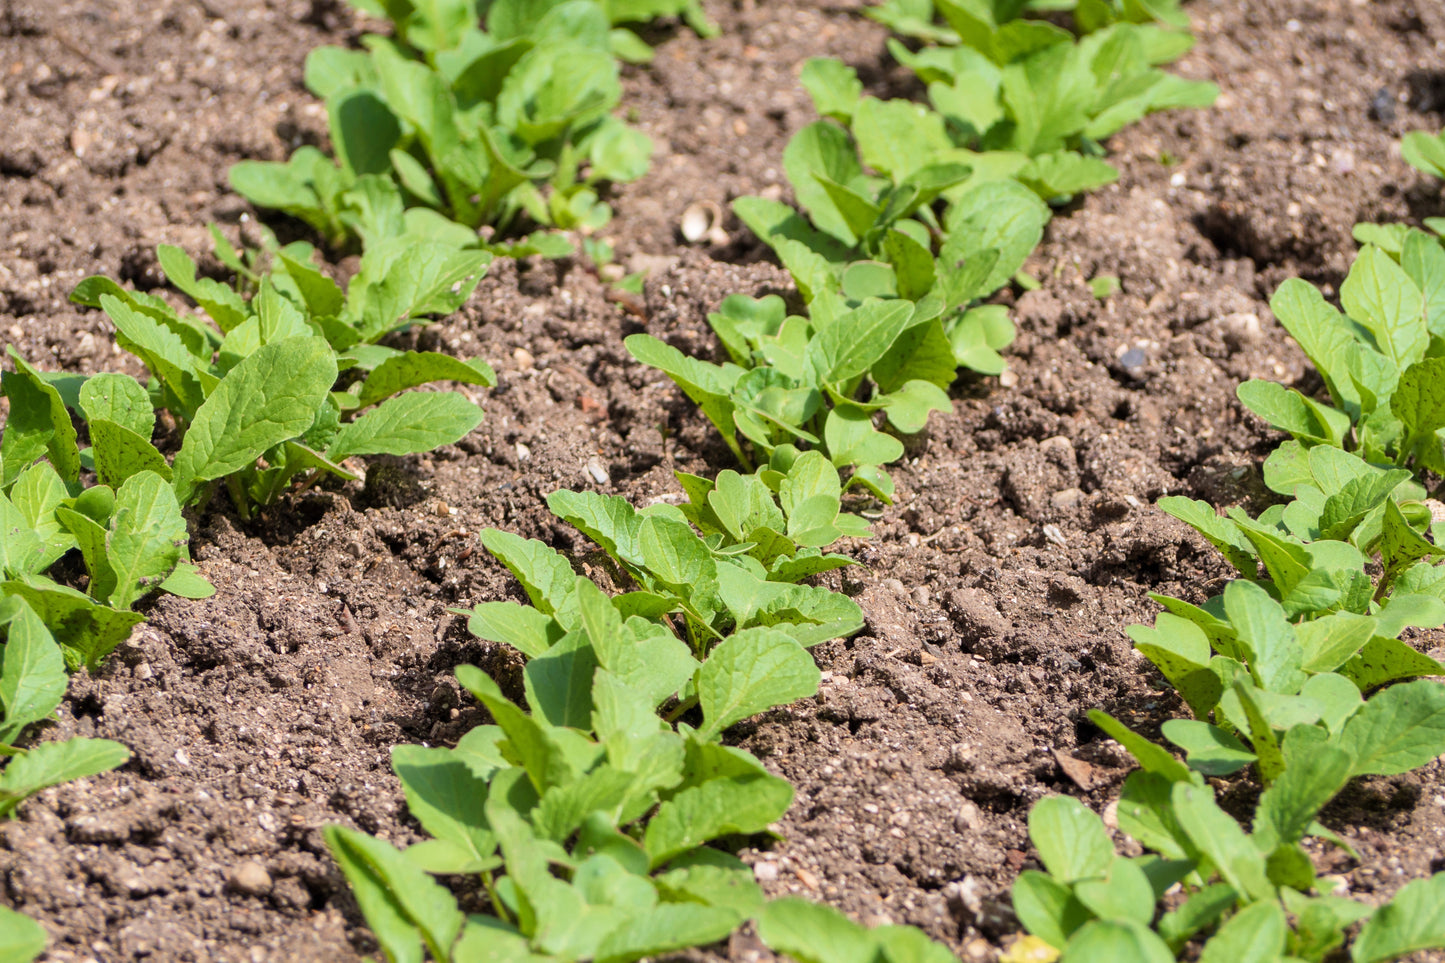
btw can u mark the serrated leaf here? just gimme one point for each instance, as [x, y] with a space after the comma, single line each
[1413, 920]
[1398, 729]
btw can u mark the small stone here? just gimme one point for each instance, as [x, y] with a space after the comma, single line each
[524, 358]
[249, 877]
[1009, 378]
[765, 872]
[1055, 536]
[183, 757]
[598, 471]
[1240, 329]
[1066, 498]
[1382, 106]
[1134, 358]
[142, 672]
[523, 452]
[969, 817]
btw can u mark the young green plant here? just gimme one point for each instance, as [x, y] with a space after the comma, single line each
[292, 380]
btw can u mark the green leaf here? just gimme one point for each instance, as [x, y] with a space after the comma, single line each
[559, 683]
[1413, 920]
[1380, 295]
[1002, 216]
[1314, 773]
[446, 797]
[1385, 660]
[1123, 893]
[834, 87]
[86, 630]
[1211, 750]
[738, 802]
[415, 368]
[402, 904]
[52, 763]
[1399, 729]
[415, 422]
[147, 534]
[223, 304]
[752, 671]
[1419, 399]
[270, 397]
[120, 454]
[1071, 840]
[1117, 941]
[526, 629]
[1256, 934]
[120, 399]
[822, 149]
[33, 679]
[1153, 758]
[1222, 533]
[852, 439]
[546, 576]
[1275, 653]
[1047, 908]
[708, 386]
[1288, 410]
[21, 938]
[1219, 837]
[38, 424]
[188, 582]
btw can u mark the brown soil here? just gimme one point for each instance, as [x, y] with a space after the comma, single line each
[996, 589]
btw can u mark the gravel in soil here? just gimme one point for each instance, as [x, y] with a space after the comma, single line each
[1022, 541]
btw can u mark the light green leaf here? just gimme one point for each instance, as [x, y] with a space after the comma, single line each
[147, 534]
[52, 763]
[1399, 729]
[270, 397]
[415, 422]
[1071, 840]
[750, 672]
[1256, 934]
[415, 368]
[1413, 920]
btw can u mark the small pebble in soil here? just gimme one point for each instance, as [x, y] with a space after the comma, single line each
[597, 470]
[1382, 106]
[766, 872]
[249, 877]
[1133, 358]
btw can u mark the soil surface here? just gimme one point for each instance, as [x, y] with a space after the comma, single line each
[1023, 539]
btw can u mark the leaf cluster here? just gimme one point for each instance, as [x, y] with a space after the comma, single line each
[129, 531]
[32, 683]
[741, 574]
[289, 380]
[1243, 894]
[586, 814]
[459, 122]
[1007, 23]
[1037, 99]
[1379, 355]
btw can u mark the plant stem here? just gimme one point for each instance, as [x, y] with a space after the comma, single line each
[238, 497]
